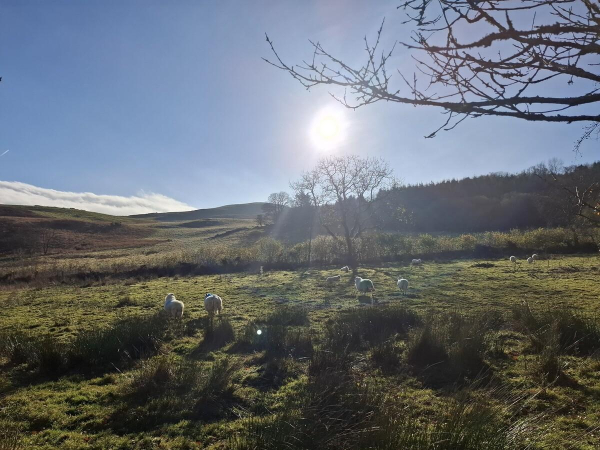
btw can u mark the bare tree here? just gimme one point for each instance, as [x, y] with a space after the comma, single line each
[343, 190]
[260, 220]
[47, 238]
[582, 193]
[277, 203]
[505, 70]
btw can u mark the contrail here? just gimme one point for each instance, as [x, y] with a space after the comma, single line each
[5, 153]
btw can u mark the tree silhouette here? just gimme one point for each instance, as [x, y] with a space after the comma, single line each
[343, 190]
[509, 69]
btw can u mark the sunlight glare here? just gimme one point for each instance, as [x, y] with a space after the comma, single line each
[327, 130]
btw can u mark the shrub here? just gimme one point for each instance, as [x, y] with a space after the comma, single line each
[467, 242]
[269, 250]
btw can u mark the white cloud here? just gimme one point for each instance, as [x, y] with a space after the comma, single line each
[16, 193]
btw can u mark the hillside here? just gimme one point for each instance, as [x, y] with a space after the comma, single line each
[44, 230]
[239, 211]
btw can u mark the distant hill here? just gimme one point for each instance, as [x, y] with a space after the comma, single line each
[41, 230]
[241, 211]
[58, 213]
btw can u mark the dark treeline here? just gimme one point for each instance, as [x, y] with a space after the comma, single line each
[499, 201]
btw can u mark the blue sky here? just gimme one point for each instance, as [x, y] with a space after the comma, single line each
[126, 98]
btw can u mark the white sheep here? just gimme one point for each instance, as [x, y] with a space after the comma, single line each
[530, 260]
[173, 306]
[213, 304]
[535, 256]
[334, 279]
[416, 262]
[345, 269]
[513, 259]
[364, 285]
[402, 285]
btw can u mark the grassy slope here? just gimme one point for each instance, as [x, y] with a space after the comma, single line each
[73, 411]
[59, 213]
[239, 211]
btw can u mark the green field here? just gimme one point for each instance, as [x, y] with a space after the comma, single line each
[225, 386]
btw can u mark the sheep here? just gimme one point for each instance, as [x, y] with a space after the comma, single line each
[345, 269]
[334, 279]
[416, 262]
[213, 304]
[530, 260]
[513, 259]
[402, 285]
[364, 285]
[535, 257]
[173, 306]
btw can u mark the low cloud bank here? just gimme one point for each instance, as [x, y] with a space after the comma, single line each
[16, 193]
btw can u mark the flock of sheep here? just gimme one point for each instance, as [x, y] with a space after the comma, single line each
[533, 258]
[364, 285]
[214, 304]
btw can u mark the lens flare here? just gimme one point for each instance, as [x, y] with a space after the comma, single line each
[328, 129]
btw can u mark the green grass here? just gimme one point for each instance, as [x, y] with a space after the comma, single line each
[327, 363]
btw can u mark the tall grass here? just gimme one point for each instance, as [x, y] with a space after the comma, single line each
[116, 344]
[450, 348]
[560, 327]
[209, 258]
[331, 413]
[360, 328]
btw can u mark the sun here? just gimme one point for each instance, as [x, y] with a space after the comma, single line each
[327, 130]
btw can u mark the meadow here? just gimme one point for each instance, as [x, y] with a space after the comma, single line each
[478, 354]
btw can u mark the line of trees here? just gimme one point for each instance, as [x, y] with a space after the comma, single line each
[344, 197]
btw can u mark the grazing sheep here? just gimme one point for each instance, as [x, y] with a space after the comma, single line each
[535, 257]
[213, 304]
[513, 259]
[173, 306]
[364, 285]
[530, 260]
[416, 262]
[402, 285]
[334, 279]
[345, 269]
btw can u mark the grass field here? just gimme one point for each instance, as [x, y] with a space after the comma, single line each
[476, 355]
